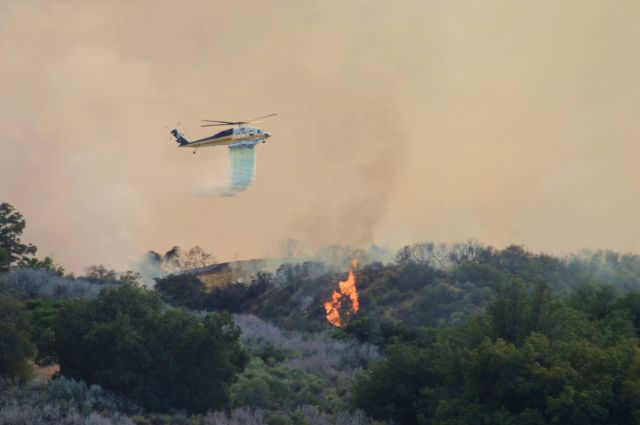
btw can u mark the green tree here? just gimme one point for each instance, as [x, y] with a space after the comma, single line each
[12, 251]
[278, 386]
[397, 388]
[43, 316]
[47, 264]
[124, 342]
[183, 290]
[15, 345]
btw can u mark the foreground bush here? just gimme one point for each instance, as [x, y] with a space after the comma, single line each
[305, 415]
[62, 402]
[290, 369]
[163, 361]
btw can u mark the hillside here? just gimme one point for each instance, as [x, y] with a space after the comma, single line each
[429, 285]
[445, 334]
[234, 271]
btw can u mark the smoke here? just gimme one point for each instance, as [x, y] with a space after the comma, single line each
[216, 183]
[150, 268]
[154, 265]
[353, 168]
[437, 120]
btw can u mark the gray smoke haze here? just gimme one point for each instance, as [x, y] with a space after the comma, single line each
[503, 122]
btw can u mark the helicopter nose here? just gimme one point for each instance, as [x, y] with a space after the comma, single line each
[267, 135]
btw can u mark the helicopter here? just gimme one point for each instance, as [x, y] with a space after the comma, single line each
[239, 136]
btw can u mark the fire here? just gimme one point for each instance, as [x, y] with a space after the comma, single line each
[346, 288]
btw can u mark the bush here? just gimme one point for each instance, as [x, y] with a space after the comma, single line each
[182, 290]
[15, 345]
[61, 402]
[530, 358]
[27, 284]
[124, 342]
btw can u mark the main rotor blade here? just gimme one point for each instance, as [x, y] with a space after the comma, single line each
[260, 118]
[223, 122]
[216, 125]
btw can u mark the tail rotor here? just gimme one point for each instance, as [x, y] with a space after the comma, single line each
[171, 128]
[177, 135]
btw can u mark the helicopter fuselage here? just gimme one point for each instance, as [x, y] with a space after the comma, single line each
[240, 136]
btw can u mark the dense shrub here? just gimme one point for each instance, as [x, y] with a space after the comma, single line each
[304, 415]
[124, 342]
[291, 369]
[26, 284]
[182, 290]
[15, 345]
[62, 401]
[314, 351]
[531, 358]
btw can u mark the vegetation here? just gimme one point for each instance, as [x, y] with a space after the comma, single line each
[15, 345]
[182, 290]
[446, 334]
[292, 369]
[434, 285]
[14, 253]
[62, 402]
[531, 358]
[124, 342]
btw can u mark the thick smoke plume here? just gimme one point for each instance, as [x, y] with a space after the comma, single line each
[435, 121]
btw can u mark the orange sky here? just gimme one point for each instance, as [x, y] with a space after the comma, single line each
[504, 121]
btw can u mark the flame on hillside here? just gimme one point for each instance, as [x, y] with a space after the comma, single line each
[346, 288]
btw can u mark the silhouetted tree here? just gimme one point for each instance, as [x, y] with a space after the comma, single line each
[12, 251]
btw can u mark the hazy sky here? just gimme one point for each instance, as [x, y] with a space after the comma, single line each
[504, 121]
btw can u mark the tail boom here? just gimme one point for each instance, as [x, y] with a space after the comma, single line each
[179, 137]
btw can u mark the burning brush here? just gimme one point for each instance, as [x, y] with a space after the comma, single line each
[346, 288]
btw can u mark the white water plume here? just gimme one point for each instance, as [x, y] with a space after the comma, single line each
[242, 161]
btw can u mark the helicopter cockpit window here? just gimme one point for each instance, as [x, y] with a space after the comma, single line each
[225, 133]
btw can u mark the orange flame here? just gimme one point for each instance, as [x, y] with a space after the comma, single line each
[347, 288]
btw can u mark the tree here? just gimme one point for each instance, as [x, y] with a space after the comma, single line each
[42, 316]
[46, 264]
[124, 342]
[12, 251]
[395, 388]
[100, 274]
[197, 257]
[15, 346]
[184, 290]
[176, 260]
